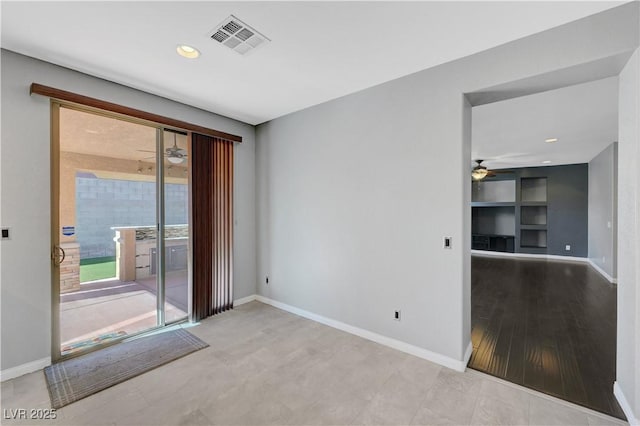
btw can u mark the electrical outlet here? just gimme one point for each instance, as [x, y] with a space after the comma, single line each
[567, 247]
[447, 242]
[396, 315]
[266, 280]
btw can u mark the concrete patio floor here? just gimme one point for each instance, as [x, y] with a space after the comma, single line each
[112, 306]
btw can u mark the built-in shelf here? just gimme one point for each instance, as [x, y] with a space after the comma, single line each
[533, 215]
[493, 220]
[533, 238]
[533, 189]
[494, 191]
[492, 204]
[535, 227]
[501, 243]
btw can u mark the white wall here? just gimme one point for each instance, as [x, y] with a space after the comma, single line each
[356, 194]
[602, 210]
[25, 273]
[628, 354]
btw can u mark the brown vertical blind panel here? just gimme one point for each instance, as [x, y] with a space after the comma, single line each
[202, 212]
[212, 189]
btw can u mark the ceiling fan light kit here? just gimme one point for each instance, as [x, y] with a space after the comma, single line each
[175, 159]
[479, 172]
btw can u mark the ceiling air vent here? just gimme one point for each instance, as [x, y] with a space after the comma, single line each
[237, 35]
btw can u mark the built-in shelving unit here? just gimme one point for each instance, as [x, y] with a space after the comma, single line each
[532, 210]
[533, 213]
[493, 215]
[510, 215]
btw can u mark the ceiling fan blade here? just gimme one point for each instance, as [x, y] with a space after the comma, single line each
[143, 150]
[502, 171]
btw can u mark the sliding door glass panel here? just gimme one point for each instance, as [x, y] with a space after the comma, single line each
[107, 210]
[176, 230]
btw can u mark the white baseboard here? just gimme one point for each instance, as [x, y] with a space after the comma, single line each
[467, 354]
[602, 272]
[529, 256]
[21, 370]
[548, 257]
[446, 361]
[624, 404]
[244, 300]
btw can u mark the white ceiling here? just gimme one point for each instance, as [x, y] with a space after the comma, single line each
[512, 133]
[319, 50]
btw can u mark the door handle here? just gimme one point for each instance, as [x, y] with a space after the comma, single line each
[57, 255]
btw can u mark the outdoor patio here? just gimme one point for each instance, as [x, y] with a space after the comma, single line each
[109, 308]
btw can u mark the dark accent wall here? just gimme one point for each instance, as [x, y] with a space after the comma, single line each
[567, 207]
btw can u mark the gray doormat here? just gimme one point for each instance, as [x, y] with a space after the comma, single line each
[77, 378]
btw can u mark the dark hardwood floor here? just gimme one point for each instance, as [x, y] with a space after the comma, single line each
[546, 325]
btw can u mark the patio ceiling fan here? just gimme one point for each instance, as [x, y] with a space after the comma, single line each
[173, 154]
[480, 172]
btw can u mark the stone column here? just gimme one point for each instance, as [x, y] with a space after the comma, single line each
[70, 267]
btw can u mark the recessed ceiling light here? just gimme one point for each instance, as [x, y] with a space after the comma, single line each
[546, 162]
[551, 140]
[187, 51]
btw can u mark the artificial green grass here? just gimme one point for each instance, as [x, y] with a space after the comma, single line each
[97, 268]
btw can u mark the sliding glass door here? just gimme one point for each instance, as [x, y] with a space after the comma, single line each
[176, 226]
[120, 231]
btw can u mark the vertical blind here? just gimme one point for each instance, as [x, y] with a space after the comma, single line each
[212, 218]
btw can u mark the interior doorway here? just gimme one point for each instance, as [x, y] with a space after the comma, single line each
[121, 228]
[543, 223]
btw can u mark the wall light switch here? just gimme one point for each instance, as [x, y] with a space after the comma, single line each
[447, 242]
[6, 235]
[567, 247]
[608, 224]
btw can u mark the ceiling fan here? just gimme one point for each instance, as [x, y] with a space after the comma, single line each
[480, 172]
[173, 154]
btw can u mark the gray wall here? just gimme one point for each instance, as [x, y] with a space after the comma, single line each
[355, 195]
[603, 202]
[105, 203]
[628, 354]
[25, 186]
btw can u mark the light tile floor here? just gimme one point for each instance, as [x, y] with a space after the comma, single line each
[268, 367]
